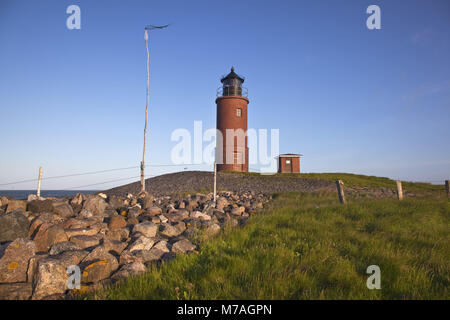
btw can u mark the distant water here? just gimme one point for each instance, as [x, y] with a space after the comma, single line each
[23, 194]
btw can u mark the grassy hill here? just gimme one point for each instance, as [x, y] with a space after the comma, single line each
[358, 180]
[202, 182]
[305, 245]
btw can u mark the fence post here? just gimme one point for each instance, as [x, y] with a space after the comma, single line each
[38, 192]
[399, 190]
[215, 182]
[447, 188]
[340, 190]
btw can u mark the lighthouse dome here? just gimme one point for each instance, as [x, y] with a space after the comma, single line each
[232, 75]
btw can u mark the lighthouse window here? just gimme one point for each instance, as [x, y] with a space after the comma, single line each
[239, 112]
[288, 161]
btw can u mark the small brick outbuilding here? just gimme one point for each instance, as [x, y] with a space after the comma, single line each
[289, 162]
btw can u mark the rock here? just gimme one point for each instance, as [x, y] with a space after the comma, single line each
[232, 222]
[209, 208]
[222, 217]
[119, 234]
[179, 215]
[39, 206]
[35, 224]
[15, 291]
[76, 209]
[134, 211]
[212, 229]
[128, 270]
[193, 223]
[3, 201]
[13, 226]
[60, 247]
[85, 214]
[38, 221]
[154, 211]
[168, 256]
[252, 210]
[155, 219]
[154, 254]
[183, 246]
[14, 258]
[133, 202]
[170, 231]
[47, 235]
[114, 247]
[92, 231]
[141, 243]
[102, 195]
[32, 265]
[238, 211]
[77, 200]
[32, 197]
[147, 228]
[191, 205]
[127, 257]
[222, 202]
[200, 215]
[115, 202]
[64, 210]
[75, 223]
[123, 213]
[95, 204]
[117, 222]
[162, 245]
[86, 241]
[180, 226]
[51, 273]
[132, 221]
[15, 205]
[147, 202]
[98, 265]
[163, 219]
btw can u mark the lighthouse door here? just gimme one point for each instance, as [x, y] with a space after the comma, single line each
[238, 161]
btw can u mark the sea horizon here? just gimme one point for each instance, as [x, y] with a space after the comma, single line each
[23, 194]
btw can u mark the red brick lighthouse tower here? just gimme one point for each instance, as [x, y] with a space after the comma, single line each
[232, 123]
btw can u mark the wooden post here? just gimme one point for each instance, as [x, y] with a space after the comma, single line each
[340, 190]
[399, 190]
[447, 188]
[38, 192]
[142, 176]
[146, 120]
[215, 182]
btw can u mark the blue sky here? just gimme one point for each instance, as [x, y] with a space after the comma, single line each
[350, 99]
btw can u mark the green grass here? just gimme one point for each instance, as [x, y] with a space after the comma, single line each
[307, 246]
[358, 180]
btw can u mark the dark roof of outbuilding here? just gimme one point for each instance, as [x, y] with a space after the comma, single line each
[290, 155]
[232, 75]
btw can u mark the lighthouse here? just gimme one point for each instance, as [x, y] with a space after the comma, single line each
[231, 142]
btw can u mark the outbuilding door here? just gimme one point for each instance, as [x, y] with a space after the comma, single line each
[288, 165]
